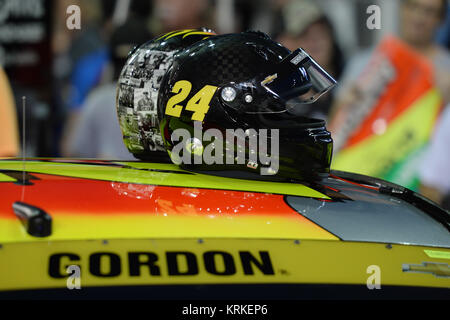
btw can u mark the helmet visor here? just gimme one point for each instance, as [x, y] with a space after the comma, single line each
[298, 76]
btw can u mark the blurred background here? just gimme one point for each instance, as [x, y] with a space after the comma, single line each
[390, 57]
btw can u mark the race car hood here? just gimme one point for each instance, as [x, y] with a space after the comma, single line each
[98, 200]
[86, 199]
[189, 230]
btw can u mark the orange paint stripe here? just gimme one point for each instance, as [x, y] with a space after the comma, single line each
[83, 208]
[83, 196]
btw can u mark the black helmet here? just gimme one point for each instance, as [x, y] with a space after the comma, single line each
[138, 88]
[242, 84]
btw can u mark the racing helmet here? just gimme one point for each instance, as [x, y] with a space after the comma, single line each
[224, 105]
[138, 87]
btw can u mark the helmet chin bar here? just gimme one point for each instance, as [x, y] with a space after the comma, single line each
[294, 160]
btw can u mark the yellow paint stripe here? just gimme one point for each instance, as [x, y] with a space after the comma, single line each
[165, 35]
[198, 32]
[135, 226]
[178, 33]
[129, 175]
[149, 166]
[5, 178]
[437, 254]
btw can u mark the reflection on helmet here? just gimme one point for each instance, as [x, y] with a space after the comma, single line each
[138, 88]
[243, 82]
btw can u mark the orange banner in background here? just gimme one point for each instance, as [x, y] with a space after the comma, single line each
[384, 135]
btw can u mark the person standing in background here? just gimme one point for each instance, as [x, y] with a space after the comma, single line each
[305, 25]
[172, 15]
[419, 22]
[97, 133]
[9, 135]
[88, 55]
[435, 170]
[390, 98]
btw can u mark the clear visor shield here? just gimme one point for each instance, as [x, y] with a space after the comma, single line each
[299, 76]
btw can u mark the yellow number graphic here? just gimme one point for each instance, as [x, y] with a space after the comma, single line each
[182, 89]
[199, 103]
